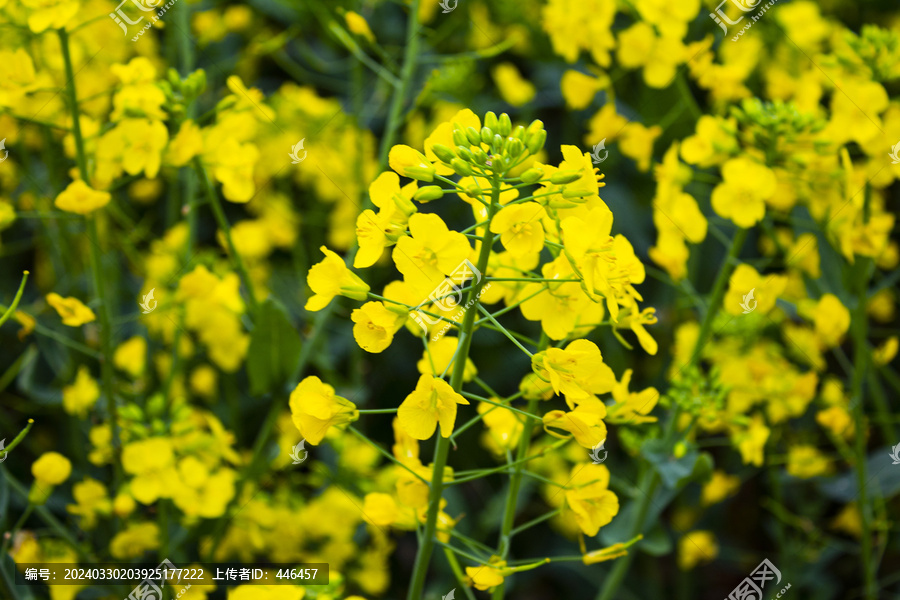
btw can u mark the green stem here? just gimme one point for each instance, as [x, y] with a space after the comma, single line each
[458, 573]
[410, 57]
[225, 227]
[15, 303]
[96, 265]
[423, 555]
[18, 439]
[650, 479]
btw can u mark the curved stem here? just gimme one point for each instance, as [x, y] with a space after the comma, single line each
[15, 303]
[406, 73]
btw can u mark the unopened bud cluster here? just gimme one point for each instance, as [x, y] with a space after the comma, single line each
[495, 149]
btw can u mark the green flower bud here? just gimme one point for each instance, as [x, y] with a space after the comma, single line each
[567, 176]
[465, 153]
[473, 135]
[504, 126]
[156, 405]
[131, 412]
[459, 137]
[480, 156]
[443, 153]
[486, 135]
[497, 143]
[420, 173]
[490, 120]
[428, 193]
[519, 133]
[461, 168]
[174, 79]
[531, 175]
[404, 204]
[514, 147]
[576, 193]
[535, 142]
[536, 125]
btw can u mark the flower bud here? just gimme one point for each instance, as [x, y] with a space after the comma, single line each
[466, 154]
[421, 173]
[443, 153]
[519, 133]
[428, 193]
[536, 125]
[504, 126]
[576, 193]
[567, 176]
[531, 175]
[459, 137]
[480, 156]
[497, 143]
[473, 136]
[514, 147]
[461, 167]
[490, 120]
[486, 136]
[404, 204]
[535, 142]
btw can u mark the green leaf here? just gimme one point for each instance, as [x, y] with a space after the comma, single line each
[675, 472]
[657, 542]
[883, 480]
[274, 349]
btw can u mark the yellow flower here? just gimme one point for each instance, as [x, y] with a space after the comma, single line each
[72, 311]
[137, 539]
[49, 14]
[589, 498]
[486, 577]
[78, 398]
[52, 468]
[131, 356]
[849, 520]
[637, 143]
[330, 278]
[832, 319]
[379, 509]
[766, 290]
[186, 144]
[741, 196]
[431, 252]
[503, 427]
[92, 499]
[80, 199]
[143, 143]
[696, 547]
[520, 229]
[432, 402]
[315, 408]
[639, 46]
[375, 232]
[751, 441]
[437, 357]
[514, 88]
[375, 326]
[410, 163]
[358, 25]
[233, 167]
[632, 407]
[578, 372]
[886, 352]
[585, 422]
[720, 486]
[579, 89]
[805, 461]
